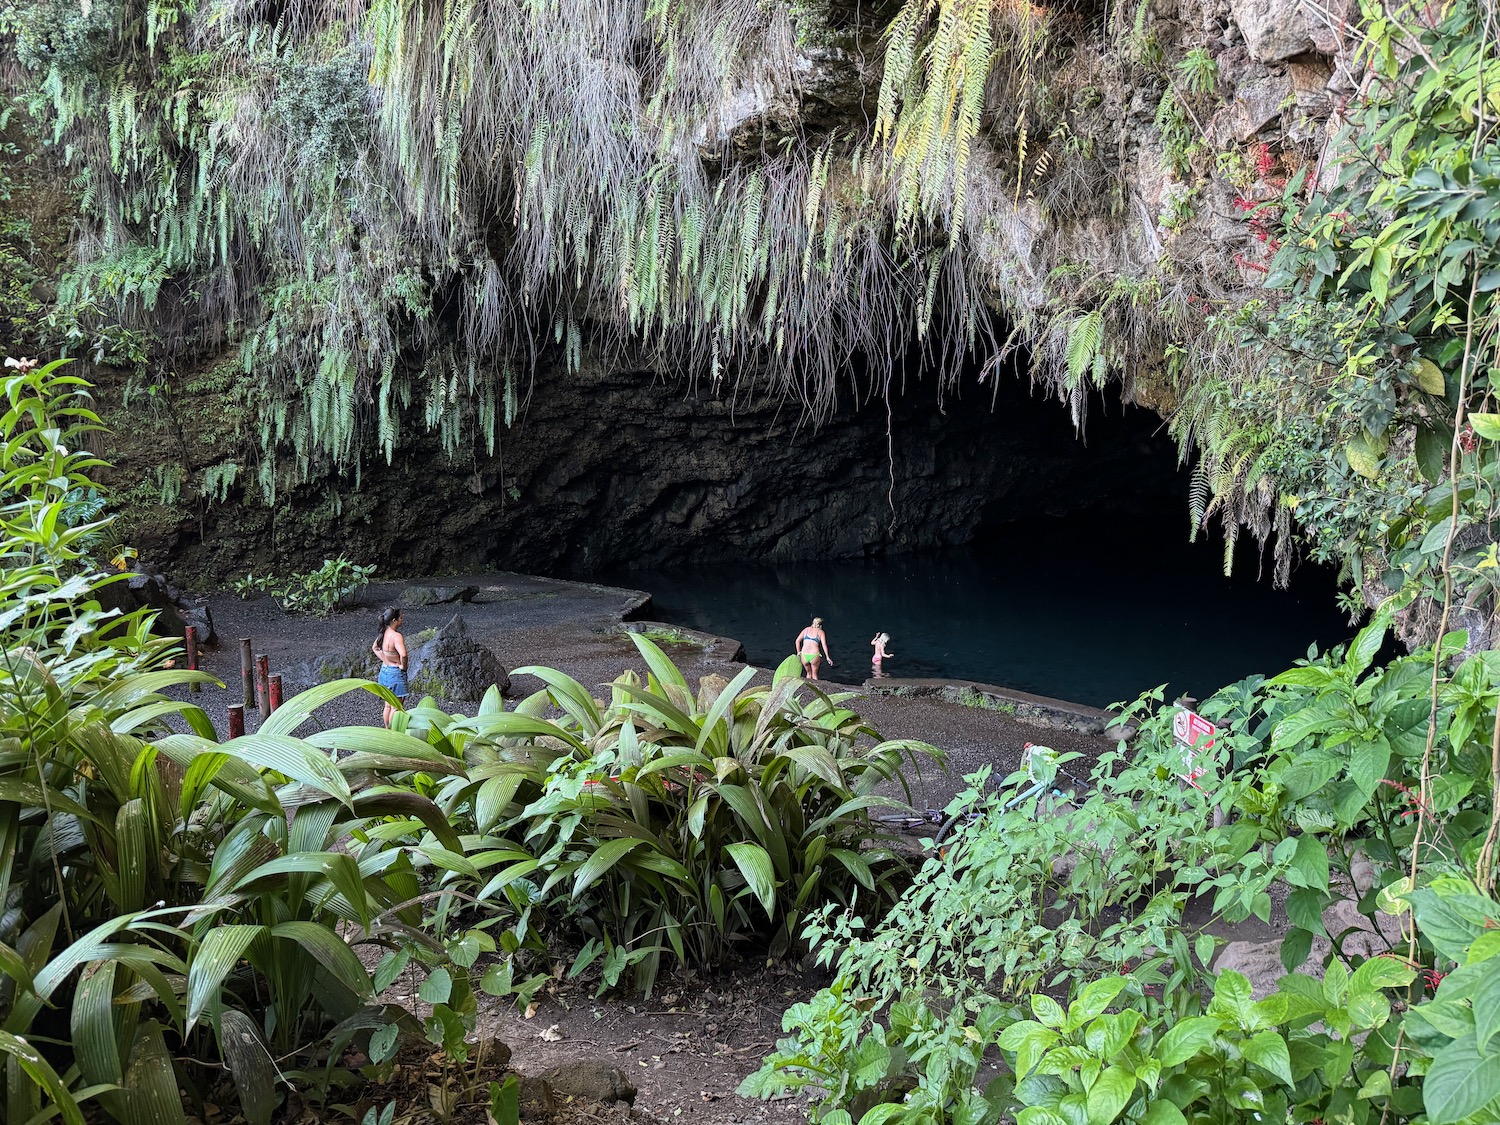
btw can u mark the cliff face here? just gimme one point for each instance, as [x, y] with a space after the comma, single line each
[379, 241]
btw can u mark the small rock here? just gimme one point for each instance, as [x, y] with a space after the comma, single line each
[1359, 934]
[150, 591]
[201, 618]
[495, 1053]
[1257, 104]
[1259, 962]
[437, 595]
[1274, 30]
[593, 1079]
[536, 1098]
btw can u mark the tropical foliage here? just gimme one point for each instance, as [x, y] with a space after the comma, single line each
[1345, 404]
[693, 825]
[1319, 773]
[180, 913]
[318, 591]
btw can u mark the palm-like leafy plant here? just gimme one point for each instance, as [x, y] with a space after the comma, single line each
[163, 895]
[669, 822]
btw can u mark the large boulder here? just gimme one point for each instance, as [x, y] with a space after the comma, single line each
[453, 665]
[153, 592]
[1277, 30]
[437, 595]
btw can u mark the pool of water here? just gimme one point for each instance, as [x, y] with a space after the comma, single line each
[1075, 609]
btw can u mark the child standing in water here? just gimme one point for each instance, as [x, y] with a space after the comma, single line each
[879, 642]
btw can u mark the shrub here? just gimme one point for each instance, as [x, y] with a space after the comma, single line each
[318, 591]
[690, 825]
[158, 902]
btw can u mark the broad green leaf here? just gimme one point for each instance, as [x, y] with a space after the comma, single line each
[1486, 1000]
[1379, 973]
[96, 1045]
[661, 666]
[437, 988]
[1449, 921]
[1460, 1082]
[402, 803]
[1188, 1038]
[1486, 425]
[249, 1064]
[1048, 1010]
[40, 1071]
[292, 757]
[598, 864]
[755, 866]
[1268, 1049]
[1163, 1112]
[1309, 865]
[1369, 764]
[721, 707]
[215, 958]
[339, 868]
[1095, 997]
[1429, 377]
[568, 694]
[1109, 1094]
[150, 1096]
[1367, 643]
[330, 951]
[300, 707]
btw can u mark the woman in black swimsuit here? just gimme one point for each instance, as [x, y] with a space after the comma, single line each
[812, 647]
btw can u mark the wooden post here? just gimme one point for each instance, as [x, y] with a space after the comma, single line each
[275, 689]
[236, 720]
[190, 634]
[263, 684]
[247, 672]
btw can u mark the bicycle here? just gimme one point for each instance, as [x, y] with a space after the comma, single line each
[1042, 770]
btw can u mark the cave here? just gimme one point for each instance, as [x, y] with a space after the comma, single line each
[609, 469]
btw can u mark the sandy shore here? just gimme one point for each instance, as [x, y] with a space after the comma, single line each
[578, 628]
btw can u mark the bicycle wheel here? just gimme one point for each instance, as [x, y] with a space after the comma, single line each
[950, 825]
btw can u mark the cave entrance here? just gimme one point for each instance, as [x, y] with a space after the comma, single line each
[1018, 555]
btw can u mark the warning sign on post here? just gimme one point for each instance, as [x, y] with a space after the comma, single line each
[1193, 733]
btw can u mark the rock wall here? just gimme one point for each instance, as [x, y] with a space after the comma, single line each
[618, 465]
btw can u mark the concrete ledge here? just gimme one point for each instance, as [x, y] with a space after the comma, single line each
[718, 648]
[1039, 710]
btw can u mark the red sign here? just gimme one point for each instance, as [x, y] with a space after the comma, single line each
[1195, 733]
[1193, 730]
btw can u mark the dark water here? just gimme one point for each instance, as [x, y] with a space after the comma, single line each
[1075, 609]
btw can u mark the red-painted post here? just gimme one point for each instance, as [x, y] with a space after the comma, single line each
[190, 634]
[263, 684]
[275, 686]
[247, 672]
[236, 720]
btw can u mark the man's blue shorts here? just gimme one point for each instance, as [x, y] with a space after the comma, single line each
[393, 678]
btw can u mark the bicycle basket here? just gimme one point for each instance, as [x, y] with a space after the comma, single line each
[1040, 764]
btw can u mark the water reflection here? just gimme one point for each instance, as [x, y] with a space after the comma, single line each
[1074, 609]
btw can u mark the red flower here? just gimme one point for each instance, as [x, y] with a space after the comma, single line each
[1467, 441]
[1264, 160]
[1433, 978]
